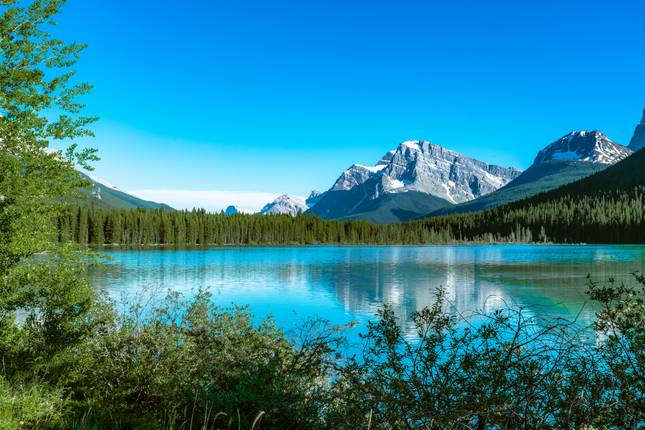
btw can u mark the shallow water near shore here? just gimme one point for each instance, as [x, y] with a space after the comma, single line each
[346, 283]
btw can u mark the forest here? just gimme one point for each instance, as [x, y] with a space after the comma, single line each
[606, 216]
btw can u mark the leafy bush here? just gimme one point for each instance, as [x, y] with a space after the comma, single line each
[501, 370]
[202, 365]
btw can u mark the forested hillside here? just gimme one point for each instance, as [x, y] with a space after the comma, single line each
[607, 207]
[109, 197]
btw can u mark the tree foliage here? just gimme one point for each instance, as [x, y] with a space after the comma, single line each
[43, 297]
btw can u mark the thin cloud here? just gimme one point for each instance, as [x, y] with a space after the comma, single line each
[211, 200]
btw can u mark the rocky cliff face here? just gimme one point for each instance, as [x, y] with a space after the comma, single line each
[638, 139]
[429, 168]
[588, 146]
[314, 198]
[417, 176]
[358, 174]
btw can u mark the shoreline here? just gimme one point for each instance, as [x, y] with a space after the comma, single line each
[344, 245]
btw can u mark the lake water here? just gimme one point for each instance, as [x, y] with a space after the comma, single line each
[344, 284]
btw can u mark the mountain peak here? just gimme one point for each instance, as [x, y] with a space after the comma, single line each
[638, 139]
[234, 210]
[420, 165]
[285, 204]
[314, 198]
[587, 146]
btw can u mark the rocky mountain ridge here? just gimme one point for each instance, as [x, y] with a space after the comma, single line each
[587, 146]
[574, 156]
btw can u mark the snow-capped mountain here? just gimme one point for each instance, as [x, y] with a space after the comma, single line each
[638, 139]
[429, 168]
[572, 157]
[285, 204]
[588, 146]
[234, 210]
[417, 176]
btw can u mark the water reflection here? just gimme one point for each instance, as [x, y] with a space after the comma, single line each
[351, 283]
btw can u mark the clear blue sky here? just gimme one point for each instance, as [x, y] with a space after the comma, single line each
[281, 96]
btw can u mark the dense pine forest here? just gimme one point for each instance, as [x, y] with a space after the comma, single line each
[90, 225]
[610, 217]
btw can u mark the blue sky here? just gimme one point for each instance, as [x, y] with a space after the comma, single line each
[280, 96]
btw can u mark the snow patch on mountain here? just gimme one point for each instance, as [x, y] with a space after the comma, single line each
[413, 144]
[585, 146]
[104, 183]
[372, 169]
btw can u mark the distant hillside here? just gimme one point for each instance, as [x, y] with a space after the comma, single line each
[607, 207]
[107, 196]
[396, 207]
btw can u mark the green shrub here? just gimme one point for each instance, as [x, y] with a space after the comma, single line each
[501, 370]
[185, 364]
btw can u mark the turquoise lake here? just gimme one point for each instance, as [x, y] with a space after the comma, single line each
[344, 284]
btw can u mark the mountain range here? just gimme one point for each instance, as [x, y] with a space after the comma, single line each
[284, 204]
[572, 157]
[415, 178]
[420, 179]
[605, 207]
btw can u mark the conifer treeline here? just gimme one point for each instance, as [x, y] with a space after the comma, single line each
[609, 217]
[90, 225]
[615, 216]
